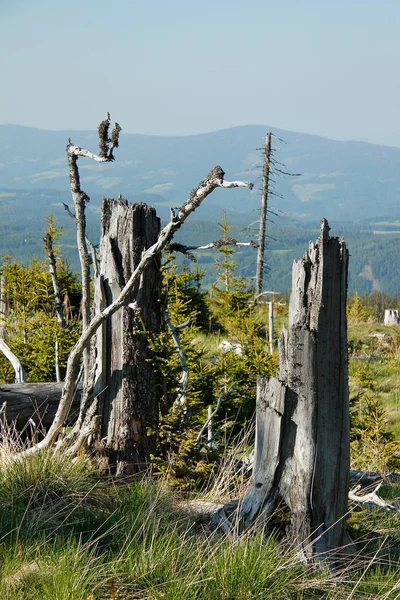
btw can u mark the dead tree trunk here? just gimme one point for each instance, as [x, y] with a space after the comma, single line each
[263, 217]
[58, 301]
[205, 188]
[80, 199]
[301, 469]
[123, 396]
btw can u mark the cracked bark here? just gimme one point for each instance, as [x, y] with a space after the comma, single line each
[125, 384]
[301, 470]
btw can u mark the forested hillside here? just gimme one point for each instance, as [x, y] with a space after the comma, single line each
[373, 263]
[373, 246]
[355, 185]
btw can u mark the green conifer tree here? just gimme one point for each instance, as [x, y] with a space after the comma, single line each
[30, 326]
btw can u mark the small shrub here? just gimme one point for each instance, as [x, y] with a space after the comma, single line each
[373, 447]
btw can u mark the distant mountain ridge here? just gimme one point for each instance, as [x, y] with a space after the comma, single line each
[355, 185]
[339, 180]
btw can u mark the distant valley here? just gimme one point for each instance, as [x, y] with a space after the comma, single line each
[355, 185]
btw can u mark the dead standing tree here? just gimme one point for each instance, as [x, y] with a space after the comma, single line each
[80, 199]
[301, 468]
[124, 386]
[122, 298]
[48, 240]
[263, 217]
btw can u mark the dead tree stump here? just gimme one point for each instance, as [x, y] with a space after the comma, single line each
[301, 468]
[122, 400]
[391, 317]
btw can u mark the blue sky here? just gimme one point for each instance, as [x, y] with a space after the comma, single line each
[178, 67]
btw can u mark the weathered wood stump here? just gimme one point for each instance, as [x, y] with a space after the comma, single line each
[301, 468]
[391, 317]
[122, 401]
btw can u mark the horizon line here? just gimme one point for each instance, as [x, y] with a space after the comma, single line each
[266, 127]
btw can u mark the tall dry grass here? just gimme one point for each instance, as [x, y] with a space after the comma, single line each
[67, 534]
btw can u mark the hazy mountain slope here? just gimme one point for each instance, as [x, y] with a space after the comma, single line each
[355, 185]
[339, 180]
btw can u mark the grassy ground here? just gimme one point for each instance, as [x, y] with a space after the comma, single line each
[66, 535]
[375, 366]
[374, 361]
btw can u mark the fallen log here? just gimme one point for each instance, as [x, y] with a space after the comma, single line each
[20, 402]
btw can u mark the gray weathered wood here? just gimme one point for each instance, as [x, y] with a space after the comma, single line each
[301, 472]
[126, 384]
[20, 402]
[19, 371]
[198, 195]
[263, 217]
[271, 325]
[391, 317]
[371, 498]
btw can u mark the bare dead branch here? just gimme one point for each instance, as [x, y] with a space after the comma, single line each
[58, 301]
[187, 250]
[77, 151]
[183, 382]
[371, 498]
[212, 415]
[20, 376]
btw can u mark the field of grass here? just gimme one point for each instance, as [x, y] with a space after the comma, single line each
[68, 535]
[374, 365]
